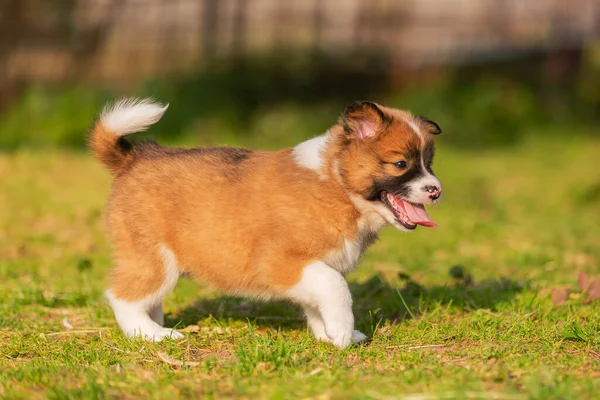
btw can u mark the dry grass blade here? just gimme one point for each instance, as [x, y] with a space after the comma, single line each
[66, 323]
[177, 363]
[413, 347]
[77, 332]
[207, 329]
[314, 371]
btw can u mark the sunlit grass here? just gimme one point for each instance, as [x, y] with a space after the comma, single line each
[519, 220]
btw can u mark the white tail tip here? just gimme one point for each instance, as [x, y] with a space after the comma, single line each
[131, 115]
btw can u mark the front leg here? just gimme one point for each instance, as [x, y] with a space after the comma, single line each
[317, 326]
[327, 302]
[315, 322]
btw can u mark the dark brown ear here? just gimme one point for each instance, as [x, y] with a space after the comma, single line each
[431, 126]
[363, 119]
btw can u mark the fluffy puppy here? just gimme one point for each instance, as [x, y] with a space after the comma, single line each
[288, 224]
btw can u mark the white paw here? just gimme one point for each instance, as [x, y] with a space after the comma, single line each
[340, 338]
[323, 338]
[164, 333]
[341, 341]
[358, 336]
[156, 334]
[170, 334]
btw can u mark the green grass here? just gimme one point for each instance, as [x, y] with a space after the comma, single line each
[520, 220]
[269, 104]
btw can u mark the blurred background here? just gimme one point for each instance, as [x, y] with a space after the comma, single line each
[514, 84]
[268, 73]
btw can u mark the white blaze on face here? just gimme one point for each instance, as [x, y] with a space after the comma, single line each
[418, 192]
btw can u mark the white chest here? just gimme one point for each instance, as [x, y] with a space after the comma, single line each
[345, 259]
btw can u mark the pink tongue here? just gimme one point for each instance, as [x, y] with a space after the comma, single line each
[417, 214]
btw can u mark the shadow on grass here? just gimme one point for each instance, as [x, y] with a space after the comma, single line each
[376, 301]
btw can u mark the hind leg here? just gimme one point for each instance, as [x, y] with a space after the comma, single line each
[137, 292]
[134, 320]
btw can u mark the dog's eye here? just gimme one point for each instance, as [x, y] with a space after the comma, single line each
[401, 164]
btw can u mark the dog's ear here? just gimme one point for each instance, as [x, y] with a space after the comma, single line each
[363, 119]
[431, 126]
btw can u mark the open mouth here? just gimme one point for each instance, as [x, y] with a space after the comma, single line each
[408, 214]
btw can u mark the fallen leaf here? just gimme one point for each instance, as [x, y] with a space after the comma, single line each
[583, 281]
[190, 329]
[593, 291]
[560, 295]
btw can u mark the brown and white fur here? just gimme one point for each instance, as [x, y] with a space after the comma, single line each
[288, 224]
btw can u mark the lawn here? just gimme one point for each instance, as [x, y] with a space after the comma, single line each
[460, 311]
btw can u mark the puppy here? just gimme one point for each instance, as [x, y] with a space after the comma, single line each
[288, 224]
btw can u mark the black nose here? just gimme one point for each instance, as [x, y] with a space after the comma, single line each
[434, 191]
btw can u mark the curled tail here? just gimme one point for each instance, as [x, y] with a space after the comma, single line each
[126, 116]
